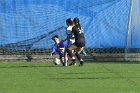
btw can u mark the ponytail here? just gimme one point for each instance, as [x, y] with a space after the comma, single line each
[76, 21]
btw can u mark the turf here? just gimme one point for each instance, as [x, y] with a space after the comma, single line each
[93, 77]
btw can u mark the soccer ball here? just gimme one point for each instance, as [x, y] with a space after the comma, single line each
[56, 61]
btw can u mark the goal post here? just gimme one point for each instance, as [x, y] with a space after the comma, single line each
[132, 42]
[129, 30]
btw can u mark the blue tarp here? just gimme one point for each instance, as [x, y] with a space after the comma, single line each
[105, 22]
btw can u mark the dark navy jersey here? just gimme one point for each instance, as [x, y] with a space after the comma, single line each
[78, 34]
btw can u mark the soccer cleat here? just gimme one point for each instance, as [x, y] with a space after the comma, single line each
[72, 63]
[63, 64]
[81, 63]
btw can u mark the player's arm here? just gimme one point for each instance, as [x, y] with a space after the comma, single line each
[53, 51]
[65, 44]
[69, 35]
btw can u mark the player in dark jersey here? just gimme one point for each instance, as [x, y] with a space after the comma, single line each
[78, 44]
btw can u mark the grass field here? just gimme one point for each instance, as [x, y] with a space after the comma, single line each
[93, 77]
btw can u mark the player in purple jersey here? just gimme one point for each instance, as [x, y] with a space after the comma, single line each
[58, 47]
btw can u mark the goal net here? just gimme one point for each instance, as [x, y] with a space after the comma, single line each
[111, 27]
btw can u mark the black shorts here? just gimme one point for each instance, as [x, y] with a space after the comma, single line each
[80, 43]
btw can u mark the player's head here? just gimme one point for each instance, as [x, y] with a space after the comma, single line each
[69, 21]
[76, 20]
[55, 38]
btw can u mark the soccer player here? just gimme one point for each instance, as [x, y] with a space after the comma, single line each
[70, 25]
[70, 38]
[79, 43]
[58, 47]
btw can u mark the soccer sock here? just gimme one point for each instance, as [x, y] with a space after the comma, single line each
[65, 61]
[84, 52]
[69, 53]
[73, 58]
[79, 56]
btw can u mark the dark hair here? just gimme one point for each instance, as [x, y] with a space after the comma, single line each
[70, 21]
[55, 36]
[77, 22]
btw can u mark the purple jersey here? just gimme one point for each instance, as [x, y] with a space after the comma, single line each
[59, 48]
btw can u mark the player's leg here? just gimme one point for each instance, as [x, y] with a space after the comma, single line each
[79, 56]
[61, 57]
[65, 58]
[69, 51]
[84, 52]
[62, 60]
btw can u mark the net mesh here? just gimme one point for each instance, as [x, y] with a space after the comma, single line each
[26, 26]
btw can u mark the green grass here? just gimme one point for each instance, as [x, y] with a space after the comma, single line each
[44, 77]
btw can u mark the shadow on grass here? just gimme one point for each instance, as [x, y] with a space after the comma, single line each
[101, 72]
[27, 66]
[89, 78]
[74, 73]
[116, 62]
